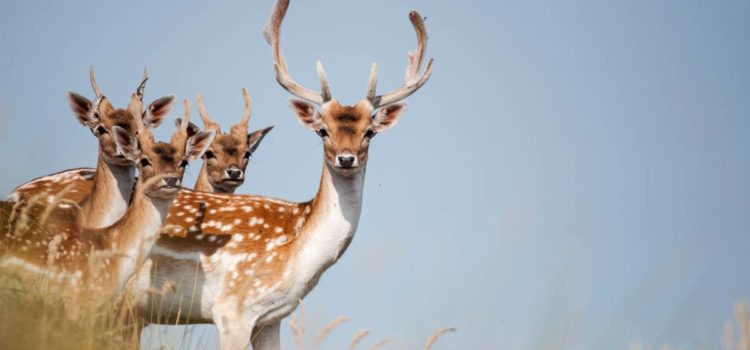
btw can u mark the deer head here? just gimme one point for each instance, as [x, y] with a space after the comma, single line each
[101, 117]
[346, 130]
[226, 159]
[167, 160]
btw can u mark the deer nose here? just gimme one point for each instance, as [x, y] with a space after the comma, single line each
[171, 181]
[346, 161]
[234, 174]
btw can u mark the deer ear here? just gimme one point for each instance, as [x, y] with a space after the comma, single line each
[156, 111]
[198, 144]
[388, 116]
[254, 138]
[192, 129]
[306, 113]
[127, 145]
[83, 109]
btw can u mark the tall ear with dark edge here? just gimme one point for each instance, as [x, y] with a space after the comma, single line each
[388, 116]
[127, 145]
[156, 111]
[198, 144]
[306, 113]
[83, 110]
[254, 138]
[192, 129]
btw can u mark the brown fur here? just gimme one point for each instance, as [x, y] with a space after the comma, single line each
[228, 151]
[92, 259]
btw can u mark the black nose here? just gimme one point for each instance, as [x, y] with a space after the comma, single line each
[346, 161]
[171, 181]
[234, 174]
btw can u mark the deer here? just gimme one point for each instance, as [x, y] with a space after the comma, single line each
[104, 192]
[225, 162]
[97, 262]
[245, 262]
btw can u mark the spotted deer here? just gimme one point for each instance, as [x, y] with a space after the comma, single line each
[226, 160]
[245, 262]
[104, 192]
[98, 261]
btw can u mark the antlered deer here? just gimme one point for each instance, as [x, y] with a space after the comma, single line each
[245, 262]
[226, 160]
[104, 192]
[96, 262]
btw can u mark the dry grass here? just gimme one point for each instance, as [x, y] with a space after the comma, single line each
[30, 306]
[38, 311]
[31, 318]
[436, 335]
[327, 329]
[380, 344]
[742, 317]
[357, 338]
[297, 324]
[729, 341]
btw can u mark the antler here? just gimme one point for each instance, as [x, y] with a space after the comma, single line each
[208, 123]
[136, 102]
[248, 107]
[412, 80]
[271, 31]
[240, 129]
[94, 85]
[142, 87]
[180, 136]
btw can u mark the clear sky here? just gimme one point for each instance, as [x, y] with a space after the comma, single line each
[573, 176]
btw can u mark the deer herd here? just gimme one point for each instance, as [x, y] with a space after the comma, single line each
[240, 262]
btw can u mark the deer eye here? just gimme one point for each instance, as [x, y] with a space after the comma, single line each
[184, 163]
[370, 134]
[144, 162]
[209, 155]
[100, 130]
[322, 133]
[247, 155]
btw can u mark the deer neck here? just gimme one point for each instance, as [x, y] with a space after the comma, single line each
[332, 222]
[110, 194]
[202, 184]
[135, 233]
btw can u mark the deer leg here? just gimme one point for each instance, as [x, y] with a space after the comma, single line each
[266, 337]
[235, 328]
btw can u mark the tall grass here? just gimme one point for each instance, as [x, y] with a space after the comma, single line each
[38, 312]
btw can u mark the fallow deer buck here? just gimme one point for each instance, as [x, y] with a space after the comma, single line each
[93, 262]
[104, 192]
[226, 160]
[245, 262]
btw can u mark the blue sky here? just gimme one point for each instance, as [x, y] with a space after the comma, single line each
[573, 176]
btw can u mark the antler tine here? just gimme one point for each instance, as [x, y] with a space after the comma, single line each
[180, 136]
[94, 85]
[208, 123]
[373, 83]
[185, 115]
[141, 88]
[248, 107]
[143, 134]
[413, 80]
[325, 89]
[271, 32]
